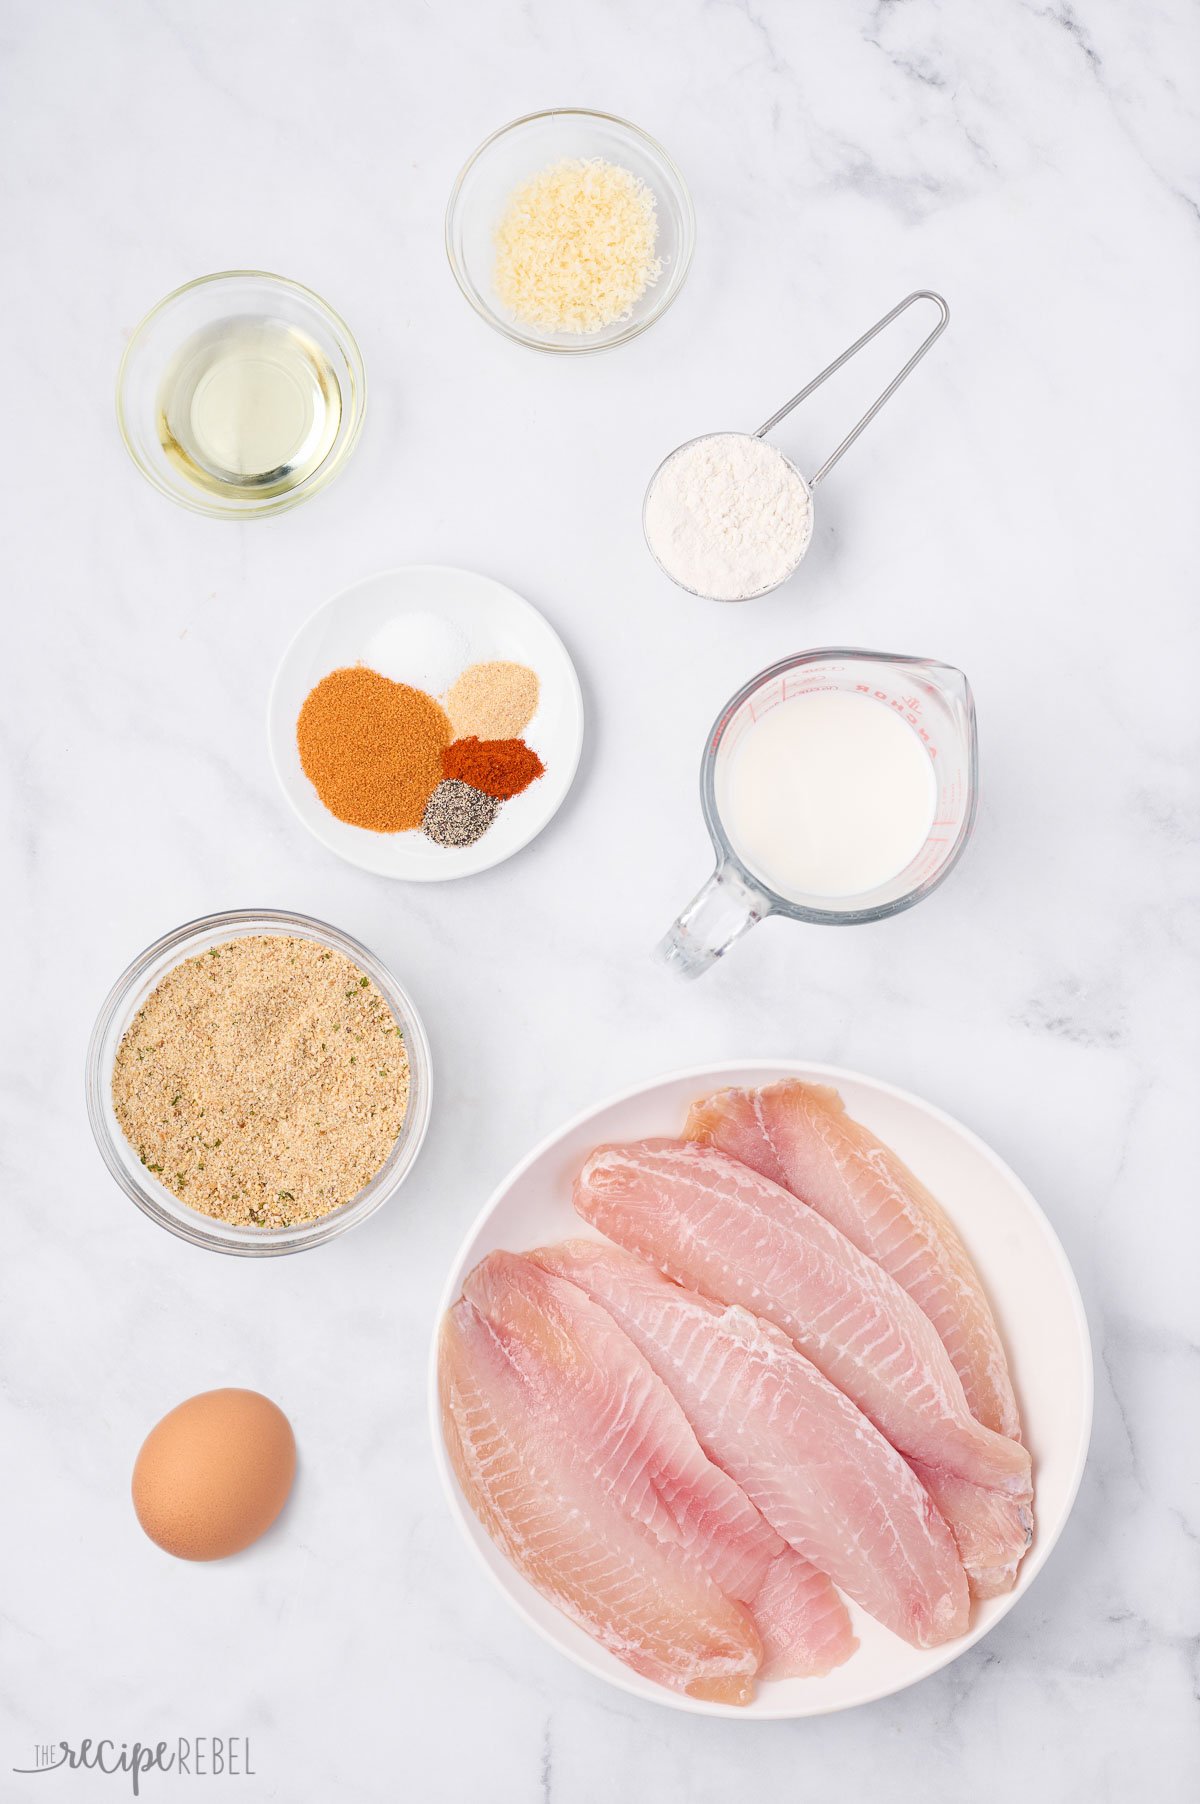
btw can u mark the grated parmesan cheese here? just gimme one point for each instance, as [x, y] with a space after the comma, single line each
[575, 249]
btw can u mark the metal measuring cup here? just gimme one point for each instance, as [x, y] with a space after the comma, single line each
[810, 483]
[936, 702]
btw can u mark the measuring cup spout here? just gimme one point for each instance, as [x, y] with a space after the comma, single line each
[725, 909]
[948, 681]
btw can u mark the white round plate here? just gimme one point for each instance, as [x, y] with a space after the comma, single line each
[1023, 1267]
[498, 624]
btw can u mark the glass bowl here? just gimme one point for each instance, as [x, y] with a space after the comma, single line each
[127, 996]
[195, 314]
[514, 154]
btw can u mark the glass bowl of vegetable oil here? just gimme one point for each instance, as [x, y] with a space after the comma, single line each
[241, 394]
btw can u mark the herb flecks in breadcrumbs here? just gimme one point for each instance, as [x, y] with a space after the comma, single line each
[236, 1083]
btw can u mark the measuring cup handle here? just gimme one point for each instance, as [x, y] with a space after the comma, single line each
[725, 909]
[922, 294]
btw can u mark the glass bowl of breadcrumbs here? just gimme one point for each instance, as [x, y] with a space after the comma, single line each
[258, 1082]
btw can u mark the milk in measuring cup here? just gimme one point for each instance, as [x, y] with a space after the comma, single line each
[827, 795]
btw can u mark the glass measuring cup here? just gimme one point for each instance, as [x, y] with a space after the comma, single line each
[791, 477]
[934, 699]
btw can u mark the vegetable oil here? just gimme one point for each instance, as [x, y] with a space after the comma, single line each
[249, 407]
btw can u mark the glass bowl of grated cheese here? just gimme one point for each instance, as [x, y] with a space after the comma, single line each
[570, 230]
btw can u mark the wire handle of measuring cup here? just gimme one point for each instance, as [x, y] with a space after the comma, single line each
[922, 294]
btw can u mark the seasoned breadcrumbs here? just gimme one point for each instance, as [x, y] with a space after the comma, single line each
[264, 1082]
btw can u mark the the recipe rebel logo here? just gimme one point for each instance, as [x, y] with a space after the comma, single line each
[198, 1757]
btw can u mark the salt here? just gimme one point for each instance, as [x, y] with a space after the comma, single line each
[419, 649]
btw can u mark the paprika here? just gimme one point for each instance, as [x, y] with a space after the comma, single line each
[499, 767]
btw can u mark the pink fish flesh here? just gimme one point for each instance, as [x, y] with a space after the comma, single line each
[659, 1474]
[800, 1136]
[713, 1224]
[645, 1599]
[821, 1474]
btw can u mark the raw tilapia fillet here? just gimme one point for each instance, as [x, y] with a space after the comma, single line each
[800, 1136]
[992, 1528]
[714, 1225]
[802, 1622]
[592, 1388]
[827, 1480]
[595, 1389]
[649, 1603]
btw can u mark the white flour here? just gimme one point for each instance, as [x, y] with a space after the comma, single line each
[728, 517]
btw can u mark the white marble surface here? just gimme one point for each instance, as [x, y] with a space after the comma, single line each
[1022, 509]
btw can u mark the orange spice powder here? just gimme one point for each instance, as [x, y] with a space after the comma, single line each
[371, 748]
[499, 767]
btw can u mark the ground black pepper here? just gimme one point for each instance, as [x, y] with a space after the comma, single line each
[457, 815]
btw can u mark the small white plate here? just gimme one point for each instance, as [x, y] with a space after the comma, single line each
[1024, 1270]
[497, 624]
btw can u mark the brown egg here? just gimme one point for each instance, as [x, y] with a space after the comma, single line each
[214, 1474]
